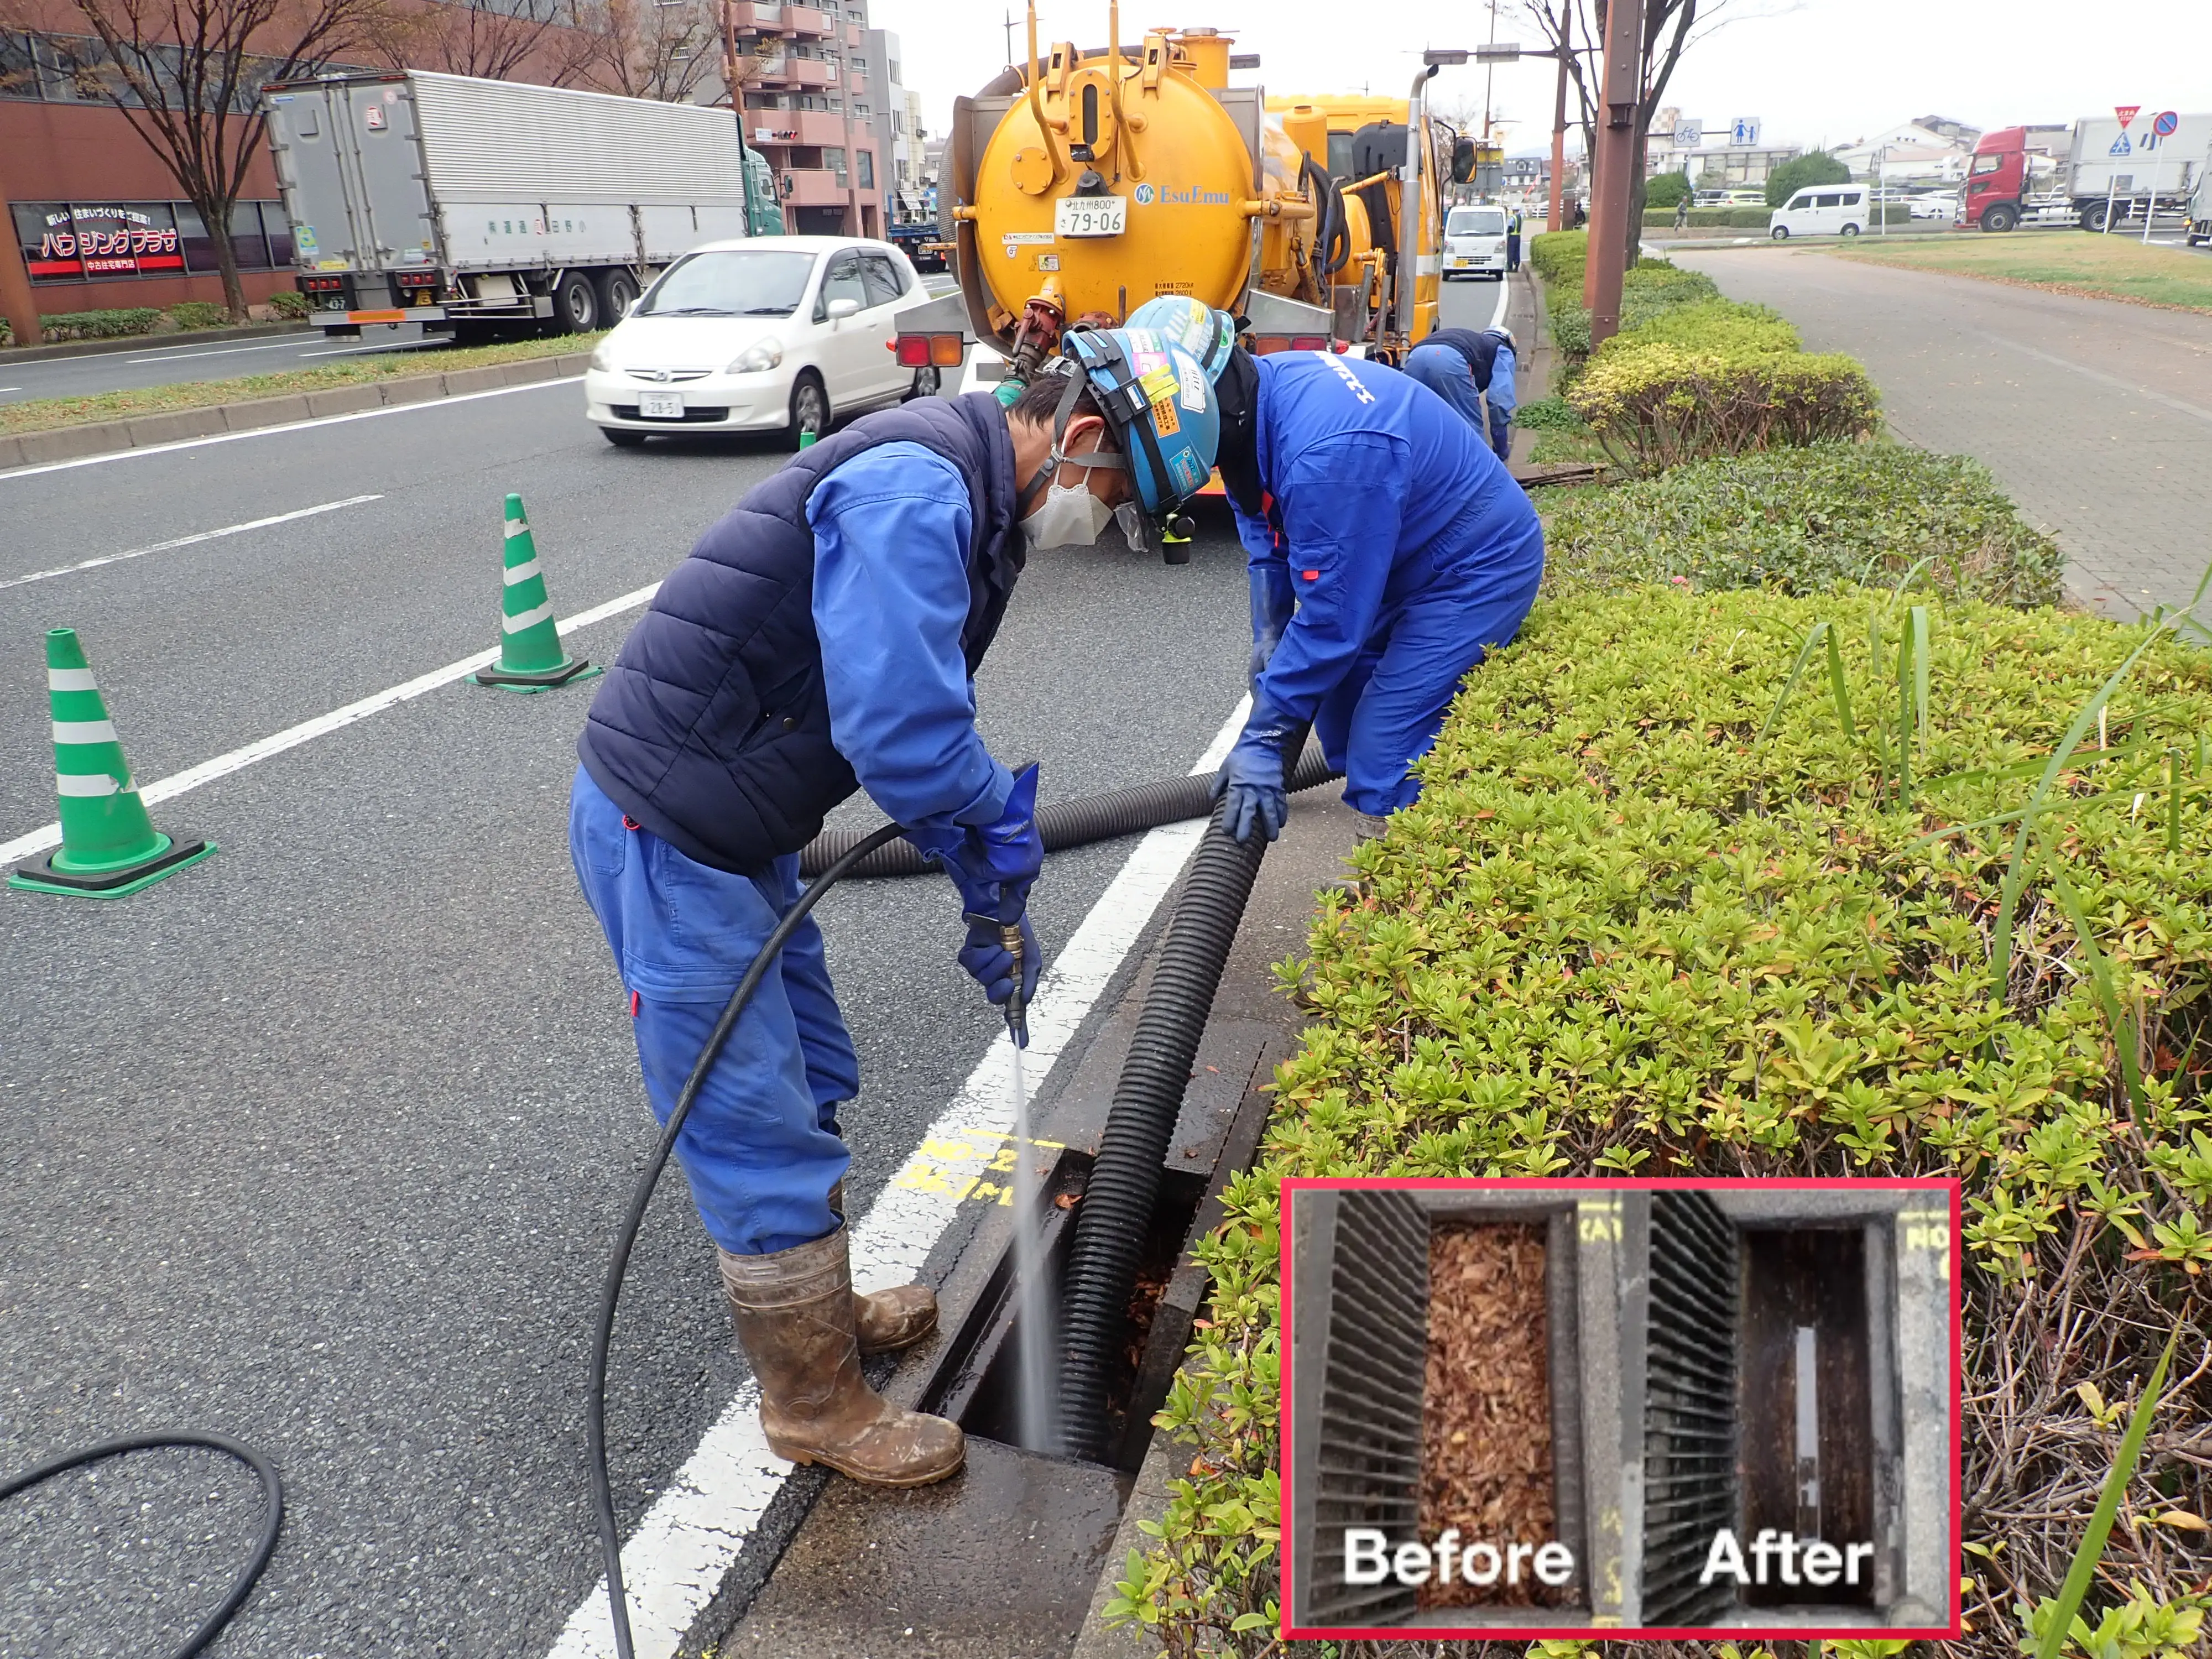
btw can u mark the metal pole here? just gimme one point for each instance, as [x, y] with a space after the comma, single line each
[2150, 207]
[17, 303]
[1557, 219]
[737, 104]
[1489, 74]
[1613, 189]
[1409, 210]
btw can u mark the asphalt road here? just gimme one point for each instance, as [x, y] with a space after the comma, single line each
[320, 1143]
[160, 363]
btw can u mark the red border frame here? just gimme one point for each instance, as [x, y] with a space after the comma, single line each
[1292, 1185]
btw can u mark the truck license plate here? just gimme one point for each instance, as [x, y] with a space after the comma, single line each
[660, 405]
[1090, 215]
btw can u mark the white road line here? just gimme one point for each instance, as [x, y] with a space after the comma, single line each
[211, 351]
[675, 1561]
[2133, 387]
[292, 737]
[1505, 292]
[289, 426]
[186, 541]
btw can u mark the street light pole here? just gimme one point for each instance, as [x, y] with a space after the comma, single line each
[1557, 220]
[1613, 189]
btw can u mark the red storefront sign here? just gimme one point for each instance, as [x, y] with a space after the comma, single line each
[104, 242]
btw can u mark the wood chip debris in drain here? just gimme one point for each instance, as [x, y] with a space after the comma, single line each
[1486, 1423]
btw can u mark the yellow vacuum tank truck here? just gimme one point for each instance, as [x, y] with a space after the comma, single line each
[1082, 183]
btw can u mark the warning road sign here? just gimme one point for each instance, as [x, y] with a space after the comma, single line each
[2126, 113]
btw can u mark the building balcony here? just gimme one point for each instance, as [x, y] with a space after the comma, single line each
[794, 126]
[852, 34]
[773, 19]
[812, 187]
[806, 21]
[810, 73]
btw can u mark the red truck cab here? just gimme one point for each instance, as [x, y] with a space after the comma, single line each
[1996, 179]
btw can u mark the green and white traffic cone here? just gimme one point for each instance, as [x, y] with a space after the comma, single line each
[109, 845]
[530, 658]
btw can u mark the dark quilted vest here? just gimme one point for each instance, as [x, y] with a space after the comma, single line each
[1481, 350]
[712, 729]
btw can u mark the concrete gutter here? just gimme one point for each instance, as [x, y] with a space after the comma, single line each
[68, 443]
[182, 337]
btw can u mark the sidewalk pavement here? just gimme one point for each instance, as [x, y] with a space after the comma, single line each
[2096, 416]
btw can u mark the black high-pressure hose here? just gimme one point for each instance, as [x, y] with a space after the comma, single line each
[1067, 823]
[272, 1508]
[1113, 1222]
[1333, 235]
[595, 1403]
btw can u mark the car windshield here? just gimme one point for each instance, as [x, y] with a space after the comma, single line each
[1476, 221]
[1988, 163]
[730, 283]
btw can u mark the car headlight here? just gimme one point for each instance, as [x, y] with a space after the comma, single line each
[602, 354]
[756, 358]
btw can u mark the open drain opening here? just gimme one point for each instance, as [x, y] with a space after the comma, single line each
[976, 1381]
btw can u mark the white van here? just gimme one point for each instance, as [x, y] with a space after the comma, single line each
[1474, 242]
[1821, 211]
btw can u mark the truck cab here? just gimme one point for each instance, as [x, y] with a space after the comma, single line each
[1996, 179]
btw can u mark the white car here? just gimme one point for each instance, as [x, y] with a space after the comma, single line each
[1936, 206]
[1821, 211]
[1474, 243]
[763, 334]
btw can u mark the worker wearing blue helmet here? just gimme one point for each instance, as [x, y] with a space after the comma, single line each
[824, 638]
[1388, 550]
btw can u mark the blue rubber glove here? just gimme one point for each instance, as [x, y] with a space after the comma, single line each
[1272, 603]
[991, 965]
[1251, 779]
[994, 866]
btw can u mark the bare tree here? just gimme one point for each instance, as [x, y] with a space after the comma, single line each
[187, 75]
[537, 41]
[1671, 27]
[662, 49]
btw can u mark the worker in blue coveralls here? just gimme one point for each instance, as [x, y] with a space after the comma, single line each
[1471, 370]
[1388, 550]
[823, 637]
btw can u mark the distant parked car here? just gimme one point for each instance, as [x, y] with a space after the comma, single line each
[1474, 243]
[1752, 197]
[757, 335]
[1711, 198]
[1822, 211]
[1936, 205]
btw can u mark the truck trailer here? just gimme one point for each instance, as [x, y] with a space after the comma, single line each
[2111, 173]
[469, 206]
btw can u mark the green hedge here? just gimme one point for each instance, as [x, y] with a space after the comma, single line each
[100, 325]
[1805, 520]
[288, 303]
[199, 313]
[1668, 906]
[1708, 218]
[1654, 404]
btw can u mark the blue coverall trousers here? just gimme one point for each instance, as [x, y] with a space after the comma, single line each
[760, 1148]
[1384, 714]
[1445, 373]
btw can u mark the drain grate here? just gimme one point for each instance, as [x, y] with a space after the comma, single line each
[1689, 1407]
[1368, 1453]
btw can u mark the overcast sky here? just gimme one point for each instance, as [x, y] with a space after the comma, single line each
[1813, 70]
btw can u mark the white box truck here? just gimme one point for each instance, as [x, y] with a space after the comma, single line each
[471, 206]
[2136, 171]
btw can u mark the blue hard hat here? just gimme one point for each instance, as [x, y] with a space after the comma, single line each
[1160, 403]
[1208, 334]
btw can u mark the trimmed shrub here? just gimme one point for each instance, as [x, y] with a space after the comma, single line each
[1547, 414]
[1711, 218]
[1654, 404]
[1557, 256]
[288, 303]
[1655, 915]
[1715, 325]
[1804, 520]
[198, 314]
[100, 325]
[1665, 189]
[1817, 168]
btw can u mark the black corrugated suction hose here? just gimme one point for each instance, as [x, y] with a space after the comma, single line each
[1067, 823]
[1113, 1222]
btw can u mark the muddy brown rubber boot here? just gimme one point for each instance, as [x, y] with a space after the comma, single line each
[795, 1316]
[887, 1321]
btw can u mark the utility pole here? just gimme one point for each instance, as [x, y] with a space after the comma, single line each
[1557, 219]
[1010, 39]
[1612, 190]
[1489, 74]
[738, 104]
[17, 304]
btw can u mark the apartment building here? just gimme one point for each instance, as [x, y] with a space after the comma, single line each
[811, 101]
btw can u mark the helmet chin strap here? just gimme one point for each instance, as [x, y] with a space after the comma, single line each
[1059, 457]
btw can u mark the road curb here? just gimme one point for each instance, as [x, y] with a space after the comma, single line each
[183, 337]
[70, 443]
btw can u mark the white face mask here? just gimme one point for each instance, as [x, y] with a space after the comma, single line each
[1070, 517]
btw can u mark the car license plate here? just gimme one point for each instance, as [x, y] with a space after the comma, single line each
[1090, 215]
[1459, 262]
[660, 405]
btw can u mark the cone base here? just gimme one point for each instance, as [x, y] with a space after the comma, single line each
[550, 679]
[43, 877]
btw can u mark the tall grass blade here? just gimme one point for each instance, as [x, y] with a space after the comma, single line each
[1804, 656]
[2072, 1593]
[1920, 670]
[2009, 898]
[2173, 800]
[2125, 1038]
[1873, 662]
[1904, 642]
[1840, 688]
